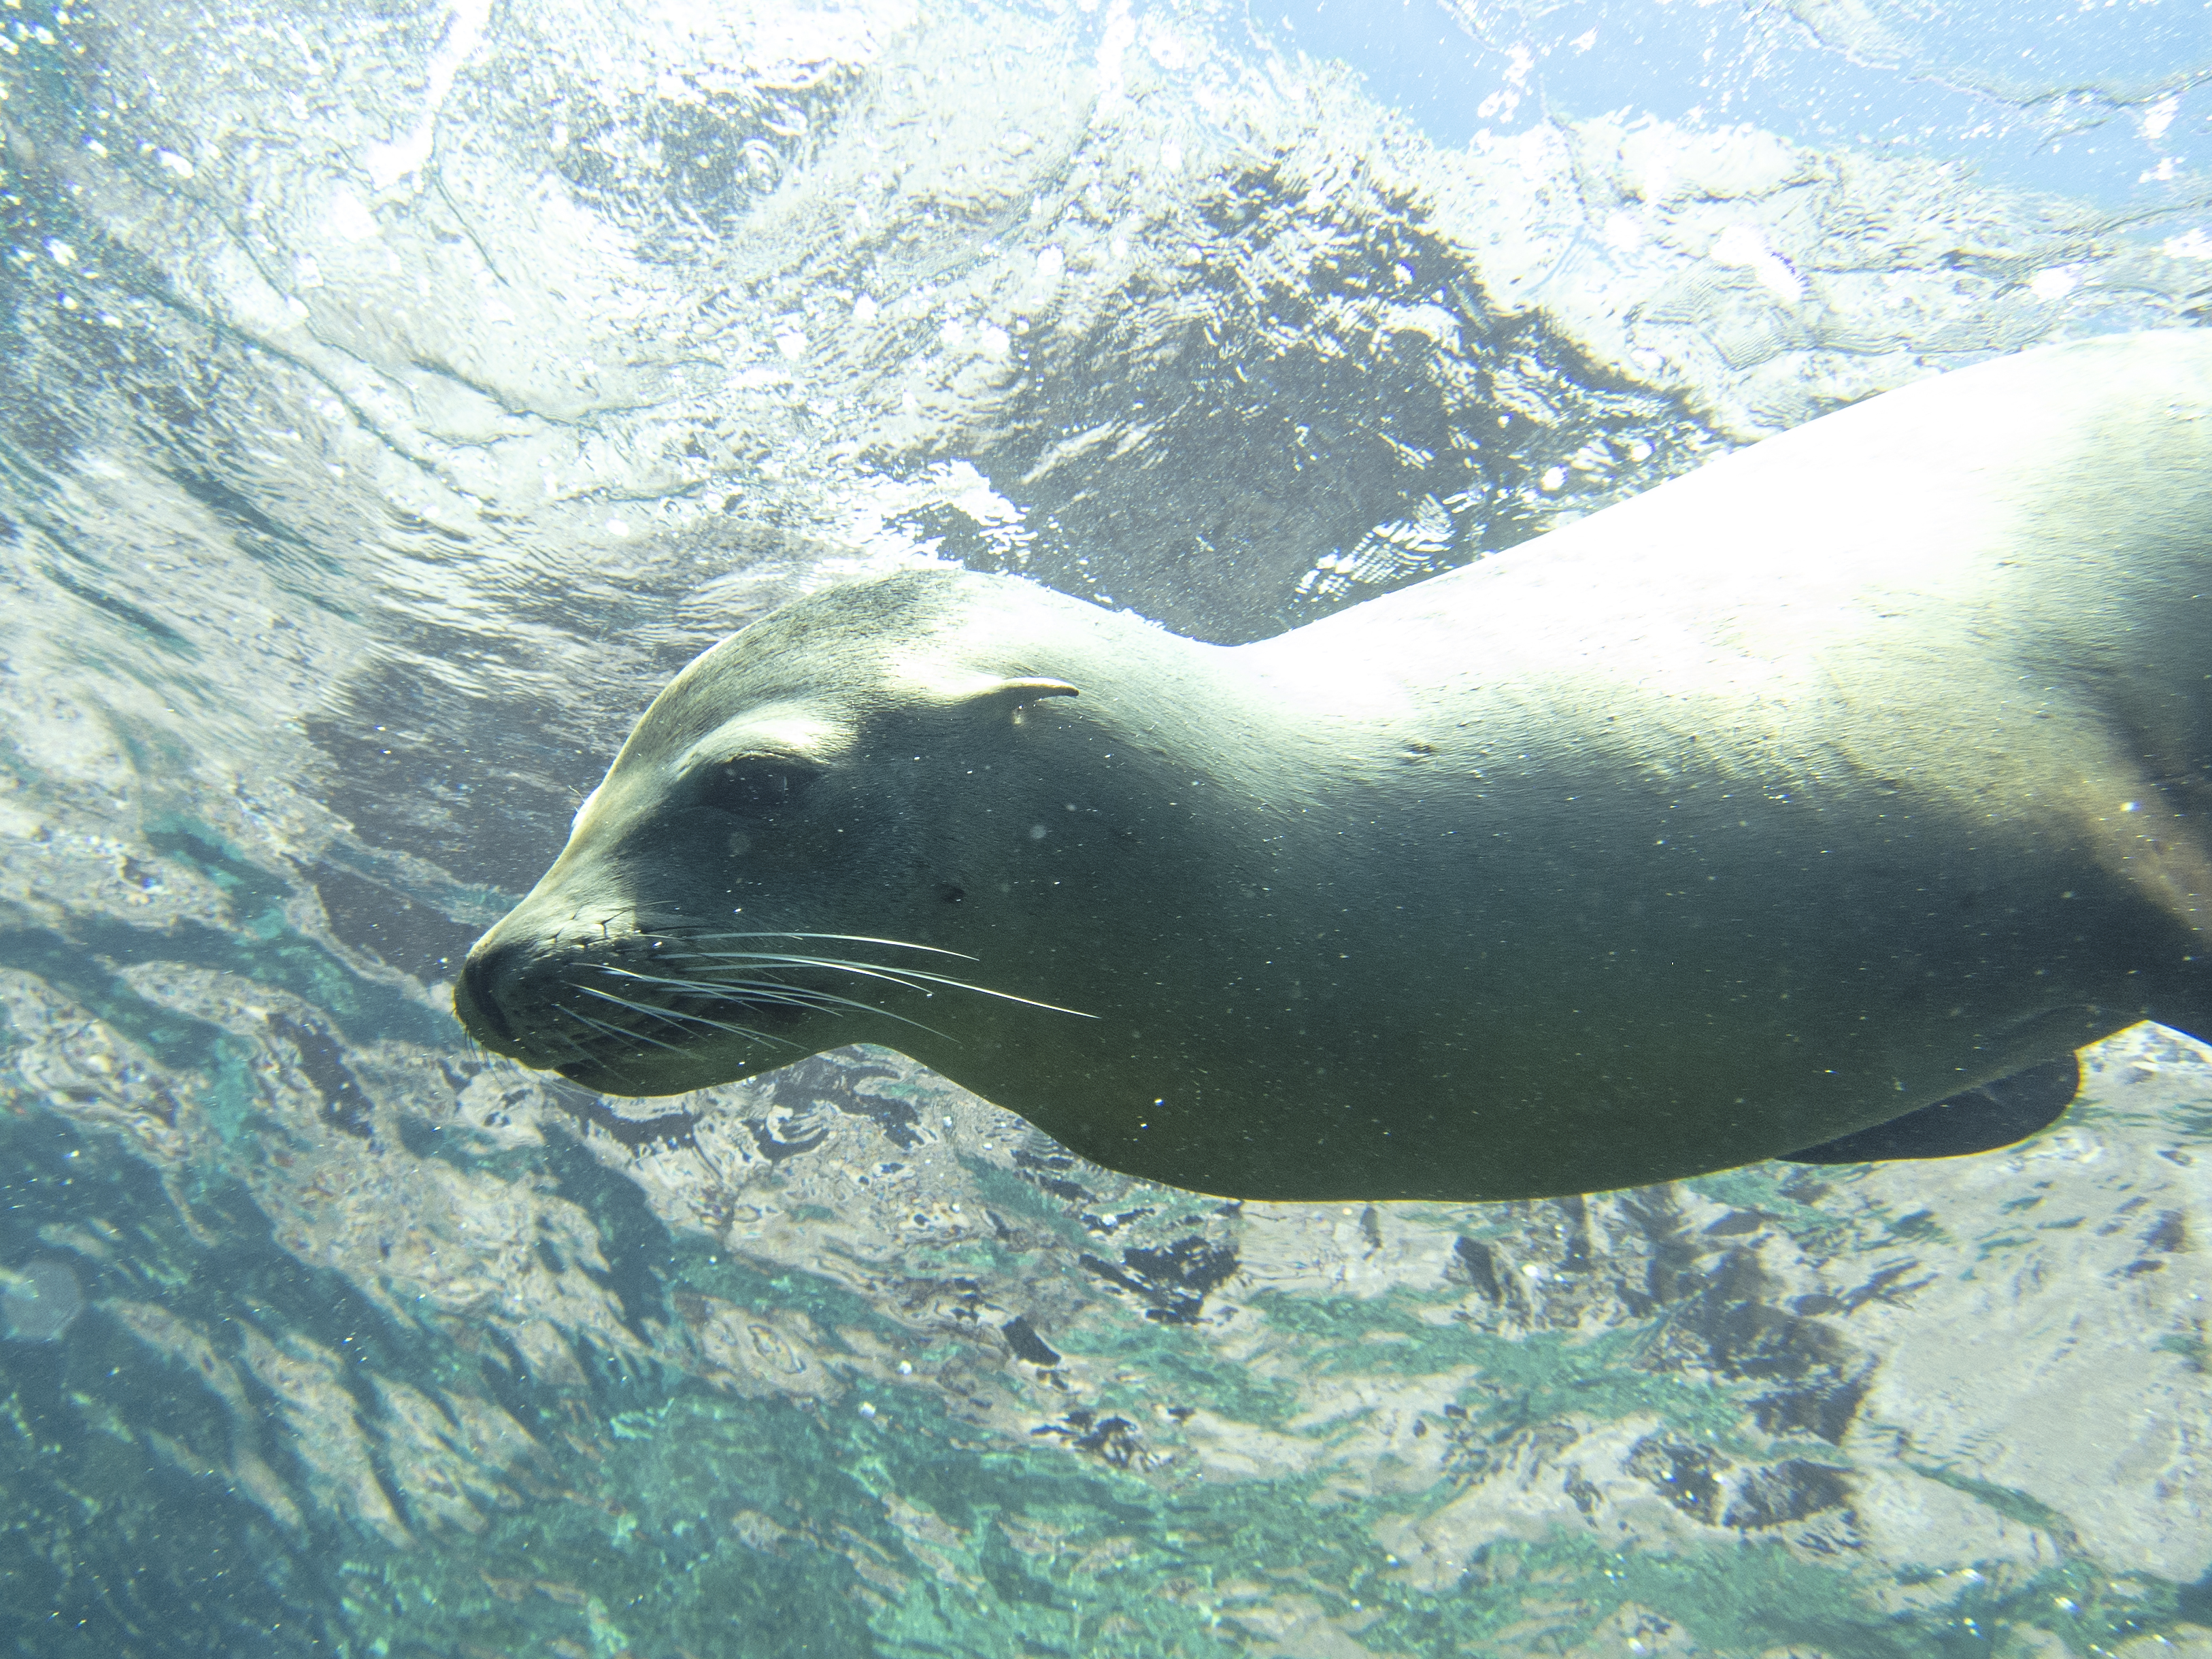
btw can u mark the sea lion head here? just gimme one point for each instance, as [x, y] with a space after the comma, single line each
[764, 872]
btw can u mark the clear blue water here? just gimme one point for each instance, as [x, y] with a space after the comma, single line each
[2083, 100]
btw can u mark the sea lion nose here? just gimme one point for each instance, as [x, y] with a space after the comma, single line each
[476, 994]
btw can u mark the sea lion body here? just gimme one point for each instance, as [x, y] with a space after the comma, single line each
[1857, 768]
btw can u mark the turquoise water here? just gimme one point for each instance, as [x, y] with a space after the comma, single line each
[393, 399]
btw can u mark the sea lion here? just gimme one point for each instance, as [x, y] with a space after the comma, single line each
[1853, 771]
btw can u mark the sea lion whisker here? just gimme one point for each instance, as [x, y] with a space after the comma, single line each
[914, 978]
[615, 1031]
[679, 1017]
[849, 938]
[755, 990]
[570, 1044]
[583, 1056]
[770, 989]
[597, 1025]
[874, 970]
[798, 997]
[667, 1017]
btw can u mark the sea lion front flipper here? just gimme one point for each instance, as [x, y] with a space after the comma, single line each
[1977, 1121]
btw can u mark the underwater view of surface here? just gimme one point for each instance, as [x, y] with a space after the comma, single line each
[395, 395]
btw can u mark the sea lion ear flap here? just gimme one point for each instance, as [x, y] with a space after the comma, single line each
[1012, 694]
[988, 693]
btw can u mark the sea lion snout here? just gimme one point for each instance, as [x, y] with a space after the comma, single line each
[475, 999]
[506, 975]
[517, 971]
[627, 1008]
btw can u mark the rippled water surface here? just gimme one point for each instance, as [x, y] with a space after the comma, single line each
[393, 397]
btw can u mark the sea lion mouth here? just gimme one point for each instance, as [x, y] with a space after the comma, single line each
[603, 1020]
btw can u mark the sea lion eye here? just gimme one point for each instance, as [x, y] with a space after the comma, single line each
[753, 787]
